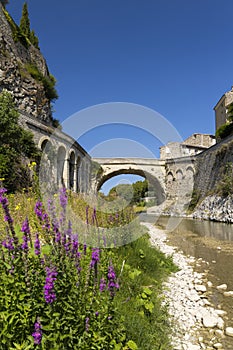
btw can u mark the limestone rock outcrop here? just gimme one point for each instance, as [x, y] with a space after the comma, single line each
[215, 208]
[29, 93]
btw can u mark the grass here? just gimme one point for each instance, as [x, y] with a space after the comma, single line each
[141, 269]
[140, 296]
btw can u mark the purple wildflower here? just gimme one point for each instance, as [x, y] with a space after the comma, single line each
[24, 245]
[8, 244]
[55, 223]
[26, 229]
[97, 313]
[102, 284]
[37, 245]
[63, 198]
[112, 283]
[87, 325]
[95, 257]
[8, 218]
[38, 209]
[45, 219]
[37, 334]
[49, 293]
[2, 191]
[58, 236]
[85, 249]
[75, 244]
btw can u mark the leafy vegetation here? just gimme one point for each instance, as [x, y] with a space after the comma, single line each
[96, 169]
[225, 186]
[48, 82]
[224, 130]
[16, 144]
[25, 22]
[227, 128]
[18, 36]
[132, 194]
[4, 2]
[196, 196]
[58, 293]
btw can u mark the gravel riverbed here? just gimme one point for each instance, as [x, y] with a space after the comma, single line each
[196, 324]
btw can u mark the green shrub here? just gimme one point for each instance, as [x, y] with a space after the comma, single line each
[196, 195]
[16, 145]
[224, 131]
[225, 186]
[48, 82]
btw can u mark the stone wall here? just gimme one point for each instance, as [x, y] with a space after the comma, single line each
[210, 166]
[29, 94]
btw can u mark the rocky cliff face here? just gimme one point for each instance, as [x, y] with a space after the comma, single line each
[215, 208]
[29, 93]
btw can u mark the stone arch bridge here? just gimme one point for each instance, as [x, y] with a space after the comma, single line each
[169, 178]
[72, 165]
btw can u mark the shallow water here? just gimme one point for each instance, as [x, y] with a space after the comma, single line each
[212, 242]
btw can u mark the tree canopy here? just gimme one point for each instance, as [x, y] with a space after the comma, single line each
[16, 145]
[4, 2]
[25, 27]
[131, 193]
[25, 21]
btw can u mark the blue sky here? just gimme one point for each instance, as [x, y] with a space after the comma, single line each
[173, 56]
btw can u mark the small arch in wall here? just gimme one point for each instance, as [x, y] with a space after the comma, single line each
[43, 142]
[189, 172]
[71, 169]
[78, 176]
[179, 174]
[170, 177]
[61, 154]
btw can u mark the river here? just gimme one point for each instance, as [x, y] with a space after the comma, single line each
[211, 242]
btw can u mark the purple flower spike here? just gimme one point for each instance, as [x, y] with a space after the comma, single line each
[49, 293]
[37, 245]
[4, 202]
[112, 283]
[95, 257]
[102, 284]
[8, 244]
[26, 229]
[38, 209]
[37, 334]
[63, 198]
[24, 245]
[87, 325]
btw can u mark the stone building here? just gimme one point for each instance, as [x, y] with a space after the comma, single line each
[221, 108]
[193, 145]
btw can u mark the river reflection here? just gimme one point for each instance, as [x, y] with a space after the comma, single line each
[202, 228]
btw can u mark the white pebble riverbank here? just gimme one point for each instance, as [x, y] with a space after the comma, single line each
[190, 311]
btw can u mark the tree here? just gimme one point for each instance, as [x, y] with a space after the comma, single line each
[34, 40]
[4, 2]
[139, 190]
[16, 145]
[25, 22]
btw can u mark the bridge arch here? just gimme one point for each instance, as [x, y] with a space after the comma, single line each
[71, 160]
[61, 157]
[43, 142]
[153, 181]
